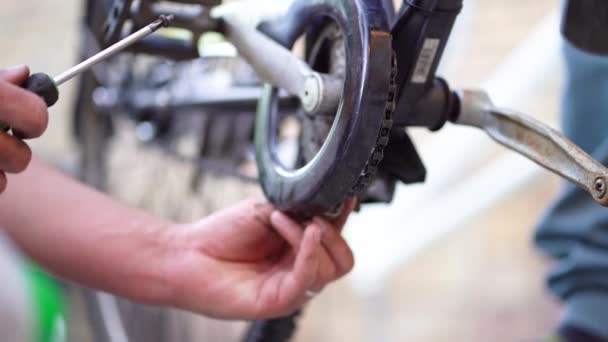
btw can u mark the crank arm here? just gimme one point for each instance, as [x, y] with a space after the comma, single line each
[535, 140]
[278, 66]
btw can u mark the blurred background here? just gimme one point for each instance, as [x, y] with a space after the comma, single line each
[451, 260]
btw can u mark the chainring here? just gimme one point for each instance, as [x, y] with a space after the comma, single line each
[316, 128]
[346, 160]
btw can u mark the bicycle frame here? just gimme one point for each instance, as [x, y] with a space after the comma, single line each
[420, 34]
[420, 31]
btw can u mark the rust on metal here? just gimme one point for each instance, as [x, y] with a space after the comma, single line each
[537, 141]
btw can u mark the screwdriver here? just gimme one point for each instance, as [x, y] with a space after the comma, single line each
[46, 87]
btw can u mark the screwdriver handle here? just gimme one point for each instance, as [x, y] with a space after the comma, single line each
[42, 85]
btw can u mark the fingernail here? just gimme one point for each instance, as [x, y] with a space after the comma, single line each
[15, 68]
[262, 205]
[277, 215]
[280, 219]
[322, 225]
[12, 72]
[319, 234]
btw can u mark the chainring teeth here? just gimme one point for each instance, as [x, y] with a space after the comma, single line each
[377, 155]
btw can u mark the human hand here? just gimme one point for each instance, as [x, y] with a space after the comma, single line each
[253, 262]
[26, 113]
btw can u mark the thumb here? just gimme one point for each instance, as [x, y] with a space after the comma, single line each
[16, 75]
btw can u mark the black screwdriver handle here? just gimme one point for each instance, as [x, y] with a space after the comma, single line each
[42, 85]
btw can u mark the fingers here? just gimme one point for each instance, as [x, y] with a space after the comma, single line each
[262, 209]
[15, 75]
[322, 255]
[307, 263]
[23, 111]
[15, 155]
[293, 233]
[337, 248]
[289, 230]
[337, 257]
[349, 205]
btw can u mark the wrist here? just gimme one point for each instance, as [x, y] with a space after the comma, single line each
[175, 260]
[189, 271]
[148, 269]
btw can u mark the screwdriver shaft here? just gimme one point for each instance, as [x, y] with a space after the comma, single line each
[163, 21]
[45, 87]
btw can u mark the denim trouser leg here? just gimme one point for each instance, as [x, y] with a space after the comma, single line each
[575, 230]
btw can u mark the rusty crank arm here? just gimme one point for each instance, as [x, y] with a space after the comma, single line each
[535, 140]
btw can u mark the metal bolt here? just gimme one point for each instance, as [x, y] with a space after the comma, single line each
[600, 187]
[311, 99]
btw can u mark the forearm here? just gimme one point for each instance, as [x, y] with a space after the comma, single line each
[85, 236]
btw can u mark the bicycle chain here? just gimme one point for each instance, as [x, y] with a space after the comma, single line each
[377, 155]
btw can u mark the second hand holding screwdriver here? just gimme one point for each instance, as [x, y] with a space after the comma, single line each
[46, 87]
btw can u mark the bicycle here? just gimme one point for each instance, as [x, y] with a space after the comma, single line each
[352, 139]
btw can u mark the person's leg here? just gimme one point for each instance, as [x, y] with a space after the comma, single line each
[575, 230]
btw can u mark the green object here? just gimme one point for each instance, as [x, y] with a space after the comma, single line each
[4, 127]
[49, 307]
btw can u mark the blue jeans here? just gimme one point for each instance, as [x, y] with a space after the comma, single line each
[574, 231]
